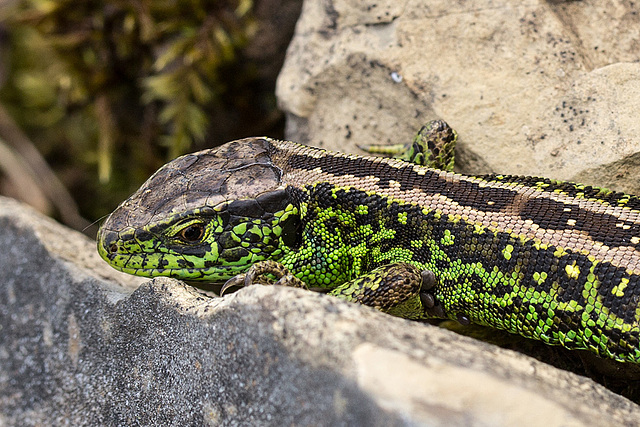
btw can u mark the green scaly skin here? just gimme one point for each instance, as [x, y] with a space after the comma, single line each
[549, 260]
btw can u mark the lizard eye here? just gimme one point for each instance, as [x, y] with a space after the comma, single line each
[192, 233]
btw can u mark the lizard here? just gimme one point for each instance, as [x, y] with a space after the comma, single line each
[554, 261]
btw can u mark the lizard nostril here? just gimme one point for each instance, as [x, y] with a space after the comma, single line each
[113, 248]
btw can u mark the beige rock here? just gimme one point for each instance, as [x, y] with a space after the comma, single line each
[534, 88]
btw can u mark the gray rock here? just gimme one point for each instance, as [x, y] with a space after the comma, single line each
[548, 88]
[81, 344]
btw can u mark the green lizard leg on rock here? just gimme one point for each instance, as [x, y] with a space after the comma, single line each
[433, 146]
[399, 289]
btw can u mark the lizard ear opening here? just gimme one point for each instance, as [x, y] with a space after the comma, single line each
[291, 234]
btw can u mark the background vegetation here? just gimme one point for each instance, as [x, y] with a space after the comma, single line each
[96, 95]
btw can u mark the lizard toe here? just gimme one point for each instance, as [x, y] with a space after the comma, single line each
[427, 300]
[463, 319]
[428, 280]
[436, 311]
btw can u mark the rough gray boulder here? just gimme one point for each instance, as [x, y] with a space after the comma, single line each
[81, 344]
[542, 88]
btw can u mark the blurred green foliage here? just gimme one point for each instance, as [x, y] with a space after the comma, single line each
[110, 90]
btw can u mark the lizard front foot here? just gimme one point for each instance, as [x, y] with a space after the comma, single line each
[399, 289]
[263, 273]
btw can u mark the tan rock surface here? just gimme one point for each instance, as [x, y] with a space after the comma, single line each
[533, 88]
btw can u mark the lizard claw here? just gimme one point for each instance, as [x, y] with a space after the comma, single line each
[238, 280]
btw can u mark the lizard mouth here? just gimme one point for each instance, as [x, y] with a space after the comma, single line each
[133, 259]
[218, 273]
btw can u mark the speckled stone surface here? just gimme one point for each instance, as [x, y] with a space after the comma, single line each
[539, 88]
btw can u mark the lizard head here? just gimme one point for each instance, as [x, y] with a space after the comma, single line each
[205, 216]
